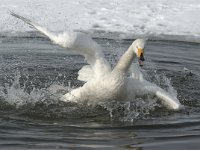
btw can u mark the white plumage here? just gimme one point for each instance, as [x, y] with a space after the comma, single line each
[102, 82]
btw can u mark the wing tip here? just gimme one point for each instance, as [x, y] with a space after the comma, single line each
[14, 14]
[21, 18]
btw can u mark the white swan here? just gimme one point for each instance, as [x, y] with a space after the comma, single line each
[103, 83]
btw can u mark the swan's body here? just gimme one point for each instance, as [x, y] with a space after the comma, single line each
[103, 83]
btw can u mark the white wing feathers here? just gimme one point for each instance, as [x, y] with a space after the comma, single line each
[80, 44]
[86, 73]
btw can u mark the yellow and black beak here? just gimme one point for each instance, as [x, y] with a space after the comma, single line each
[141, 57]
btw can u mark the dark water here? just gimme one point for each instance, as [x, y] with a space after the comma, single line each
[34, 73]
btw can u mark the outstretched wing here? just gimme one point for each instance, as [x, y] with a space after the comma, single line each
[79, 43]
[142, 87]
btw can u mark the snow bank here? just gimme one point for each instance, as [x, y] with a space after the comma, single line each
[139, 17]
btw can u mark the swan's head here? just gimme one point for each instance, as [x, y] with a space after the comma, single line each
[138, 47]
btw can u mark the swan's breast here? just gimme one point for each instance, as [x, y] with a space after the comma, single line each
[115, 85]
[109, 87]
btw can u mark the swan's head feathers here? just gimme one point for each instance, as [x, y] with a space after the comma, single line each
[138, 47]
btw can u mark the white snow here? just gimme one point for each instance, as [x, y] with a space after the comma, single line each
[173, 17]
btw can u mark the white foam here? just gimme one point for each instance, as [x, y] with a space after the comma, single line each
[17, 95]
[178, 17]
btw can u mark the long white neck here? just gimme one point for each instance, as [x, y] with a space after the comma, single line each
[125, 61]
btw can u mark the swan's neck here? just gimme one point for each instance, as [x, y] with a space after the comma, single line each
[126, 60]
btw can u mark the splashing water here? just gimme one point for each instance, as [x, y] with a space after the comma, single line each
[140, 108]
[160, 79]
[17, 95]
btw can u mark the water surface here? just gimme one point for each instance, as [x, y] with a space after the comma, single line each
[34, 73]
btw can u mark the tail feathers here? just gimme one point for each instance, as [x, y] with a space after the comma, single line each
[86, 73]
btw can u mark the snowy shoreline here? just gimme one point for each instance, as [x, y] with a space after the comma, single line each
[108, 35]
[156, 19]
